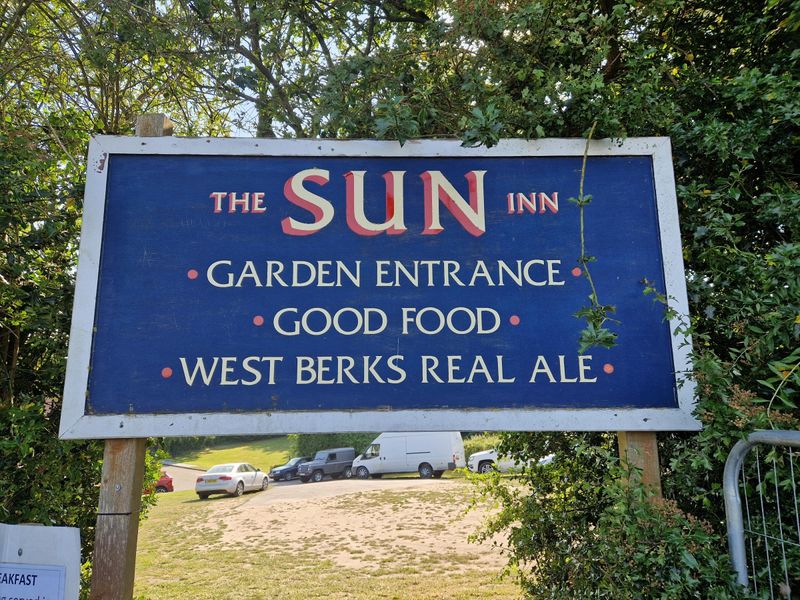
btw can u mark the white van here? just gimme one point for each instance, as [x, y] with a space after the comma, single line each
[430, 453]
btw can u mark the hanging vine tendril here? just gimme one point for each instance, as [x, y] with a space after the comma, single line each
[596, 314]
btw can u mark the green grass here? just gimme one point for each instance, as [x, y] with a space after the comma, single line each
[262, 454]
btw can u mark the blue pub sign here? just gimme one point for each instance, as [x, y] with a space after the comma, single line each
[268, 286]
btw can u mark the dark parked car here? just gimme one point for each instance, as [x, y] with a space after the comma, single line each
[289, 470]
[336, 462]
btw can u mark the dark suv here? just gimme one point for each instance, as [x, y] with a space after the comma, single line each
[336, 462]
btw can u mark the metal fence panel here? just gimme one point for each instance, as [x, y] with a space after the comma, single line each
[761, 507]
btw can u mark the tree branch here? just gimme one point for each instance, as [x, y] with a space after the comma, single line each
[279, 92]
[12, 25]
[614, 55]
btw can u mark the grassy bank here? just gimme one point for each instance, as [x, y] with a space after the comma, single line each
[259, 453]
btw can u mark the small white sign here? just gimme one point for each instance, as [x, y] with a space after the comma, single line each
[39, 563]
[32, 582]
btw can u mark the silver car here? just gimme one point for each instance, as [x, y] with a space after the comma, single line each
[233, 478]
[488, 460]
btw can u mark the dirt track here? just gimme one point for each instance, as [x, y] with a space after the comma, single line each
[359, 523]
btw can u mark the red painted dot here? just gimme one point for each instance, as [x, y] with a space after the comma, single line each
[514, 320]
[192, 274]
[258, 320]
[608, 368]
[166, 372]
[577, 272]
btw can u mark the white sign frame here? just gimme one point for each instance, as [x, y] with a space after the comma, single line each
[76, 424]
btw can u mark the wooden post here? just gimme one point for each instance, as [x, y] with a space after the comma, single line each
[639, 449]
[155, 125]
[117, 530]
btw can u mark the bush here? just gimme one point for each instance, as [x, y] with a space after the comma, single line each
[46, 480]
[178, 445]
[642, 549]
[600, 537]
[53, 482]
[306, 444]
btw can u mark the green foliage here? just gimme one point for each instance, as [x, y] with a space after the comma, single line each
[52, 482]
[578, 530]
[45, 480]
[152, 471]
[481, 127]
[395, 120]
[178, 445]
[641, 549]
[174, 446]
[307, 444]
[784, 382]
[86, 579]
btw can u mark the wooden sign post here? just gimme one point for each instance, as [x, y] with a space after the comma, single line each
[117, 530]
[639, 450]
